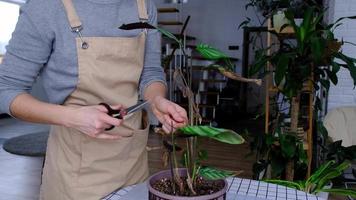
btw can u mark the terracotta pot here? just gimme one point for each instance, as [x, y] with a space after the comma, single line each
[156, 195]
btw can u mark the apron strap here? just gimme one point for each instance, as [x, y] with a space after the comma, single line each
[142, 11]
[74, 21]
[72, 16]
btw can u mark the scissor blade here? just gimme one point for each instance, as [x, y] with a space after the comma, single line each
[133, 108]
[136, 107]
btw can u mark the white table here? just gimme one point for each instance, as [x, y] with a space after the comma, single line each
[241, 189]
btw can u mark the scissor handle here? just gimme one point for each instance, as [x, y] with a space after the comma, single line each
[111, 112]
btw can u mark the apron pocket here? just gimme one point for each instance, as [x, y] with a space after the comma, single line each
[108, 163]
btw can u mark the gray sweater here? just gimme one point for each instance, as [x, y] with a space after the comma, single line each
[43, 45]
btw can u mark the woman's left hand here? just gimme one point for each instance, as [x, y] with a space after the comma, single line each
[171, 115]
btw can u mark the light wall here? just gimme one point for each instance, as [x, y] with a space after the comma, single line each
[214, 21]
[343, 94]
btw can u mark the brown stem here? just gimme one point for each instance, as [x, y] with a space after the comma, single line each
[290, 170]
[172, 173]
[190, 184]
[295, 114]
[294, 129]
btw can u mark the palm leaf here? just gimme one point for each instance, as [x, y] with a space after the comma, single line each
[281, 68]
[289, 184]
[210, 173]
[343, 192]
[211, 53]
[319, 173]
[219, 134]
[169, 35]
[331, 174]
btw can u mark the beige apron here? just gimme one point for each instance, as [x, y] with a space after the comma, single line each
[79, 167]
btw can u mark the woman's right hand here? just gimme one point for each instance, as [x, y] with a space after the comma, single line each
[93, 120]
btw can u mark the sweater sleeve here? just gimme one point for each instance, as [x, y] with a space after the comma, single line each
[152, 69]
[27, 52]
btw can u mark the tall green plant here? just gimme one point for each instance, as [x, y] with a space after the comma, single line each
[313, 58]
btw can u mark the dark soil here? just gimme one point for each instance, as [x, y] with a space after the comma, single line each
[203, 187]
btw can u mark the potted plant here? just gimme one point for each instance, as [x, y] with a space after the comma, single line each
[320, 181]
[274, 150]
[313, 58]
[193, 181]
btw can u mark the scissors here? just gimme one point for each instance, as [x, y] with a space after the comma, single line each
[120, 113]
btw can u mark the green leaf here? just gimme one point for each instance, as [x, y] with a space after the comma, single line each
[210, 173]
[289, 184]
[211, 53]
[318, 105]
[332, 75]
[202, 155]
[350, 64]
[169, 35]
[244, 23]
[332, 173]
[322, 130]
[343, 192]
[219, 134]
[342, 18]
[325, 84]
[317, 48]
[288, 146]
[278, 164]
[281, 68]
[343, 166]
[313, 179]
[260, 62]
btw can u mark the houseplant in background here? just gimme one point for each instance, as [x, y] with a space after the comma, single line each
[319, 181]
[308, 63]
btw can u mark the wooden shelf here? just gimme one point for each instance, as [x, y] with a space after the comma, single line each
[306, 89]
[286, 30]
[167, 10]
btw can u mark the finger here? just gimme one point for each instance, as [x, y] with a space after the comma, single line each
[169, 121]
[106, 126]
[101, 108]
[182, 112]
[110, 120]
[172, 123]
[158, 115]
[167, 129]
[117, 107]
[108, 136]
[175, 114]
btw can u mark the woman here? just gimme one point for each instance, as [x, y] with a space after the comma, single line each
[83, 60]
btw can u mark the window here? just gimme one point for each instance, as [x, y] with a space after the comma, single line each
[9, 13]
